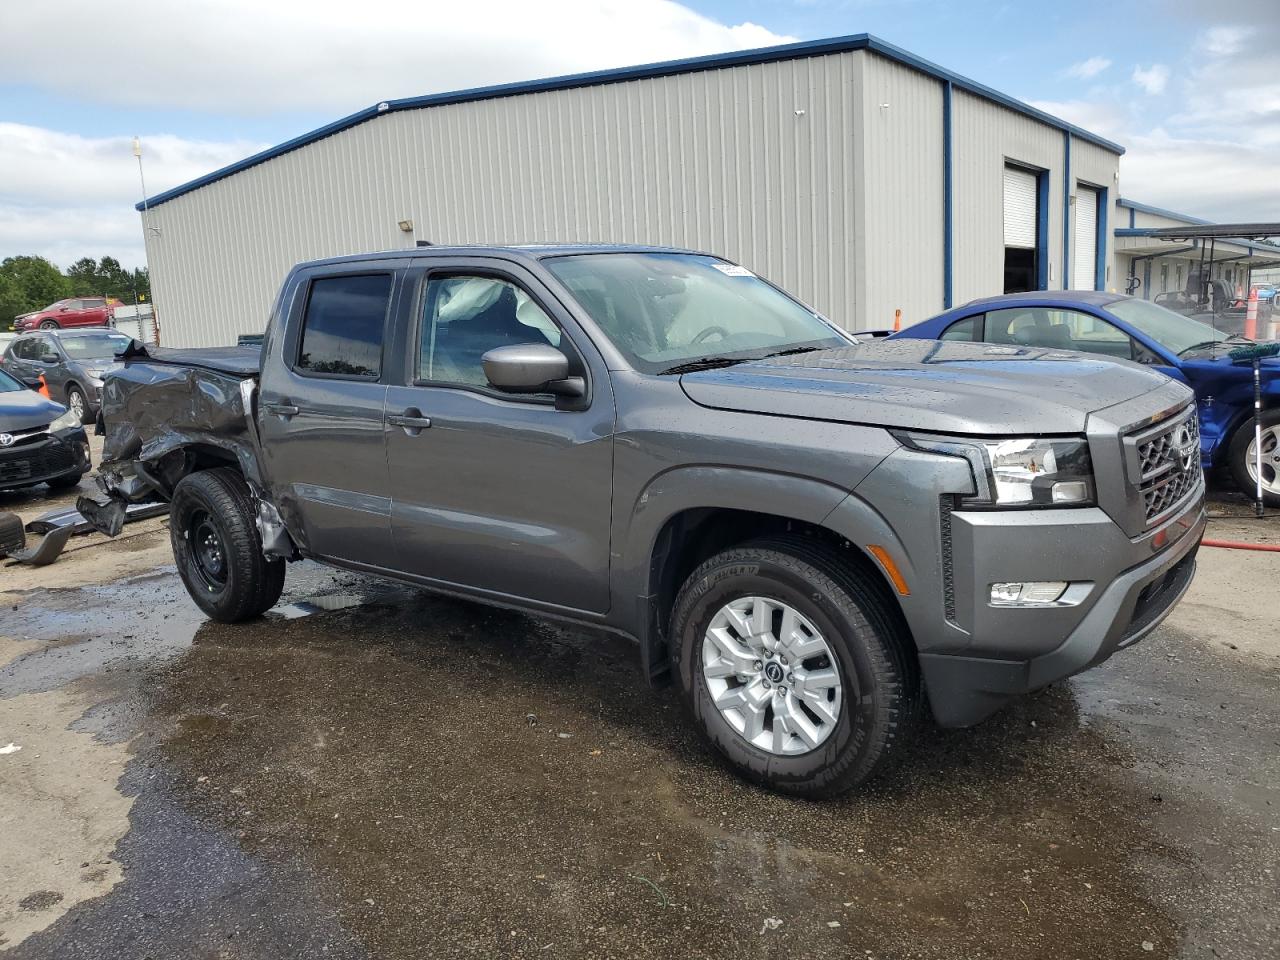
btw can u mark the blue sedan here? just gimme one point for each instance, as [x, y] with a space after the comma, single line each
[1126, 328]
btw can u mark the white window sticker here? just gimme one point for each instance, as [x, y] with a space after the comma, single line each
[733, 270]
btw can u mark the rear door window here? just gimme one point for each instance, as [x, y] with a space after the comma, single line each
[343, 326]
[1057, 329]
[969, 330]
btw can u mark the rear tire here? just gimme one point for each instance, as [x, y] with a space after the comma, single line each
[217, 547]
[1241, 461]
[859, 721]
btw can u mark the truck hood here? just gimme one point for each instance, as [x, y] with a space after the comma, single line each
[932, 385]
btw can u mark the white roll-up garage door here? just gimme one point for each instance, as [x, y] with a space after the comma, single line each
[1019, 208]
[1084, 273]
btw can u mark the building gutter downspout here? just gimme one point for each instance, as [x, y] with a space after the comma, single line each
[948, 221]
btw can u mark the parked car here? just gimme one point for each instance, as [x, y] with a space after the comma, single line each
[1126, 328]
[808, 532]
[40, 441]
[74, 312]
[72, 362]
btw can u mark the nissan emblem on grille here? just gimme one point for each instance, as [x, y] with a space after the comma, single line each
[1170, 465]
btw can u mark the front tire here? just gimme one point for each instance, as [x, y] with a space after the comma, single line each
[78, 404]
[217, 547]
[1243, 464]
[796, 665]
[48, 324]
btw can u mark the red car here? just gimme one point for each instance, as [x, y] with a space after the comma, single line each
[75, 312]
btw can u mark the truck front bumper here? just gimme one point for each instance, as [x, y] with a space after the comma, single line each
[1125, 588]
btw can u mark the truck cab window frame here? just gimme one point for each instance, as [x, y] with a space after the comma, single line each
[374, 325]
[521, 306]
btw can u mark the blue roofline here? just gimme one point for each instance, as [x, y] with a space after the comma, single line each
[1160, 212]
[786, 51]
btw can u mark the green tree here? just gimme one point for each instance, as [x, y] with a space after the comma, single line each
[32, 283]
[83, 276]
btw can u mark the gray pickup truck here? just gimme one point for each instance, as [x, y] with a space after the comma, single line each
[807, 532]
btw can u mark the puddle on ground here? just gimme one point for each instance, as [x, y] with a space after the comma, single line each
[378, 756]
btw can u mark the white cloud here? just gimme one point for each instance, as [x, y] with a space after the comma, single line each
[68, 196]
[1087, 69]
[1153, 80]
[1224, 41]
[247, 56]
[65, 196]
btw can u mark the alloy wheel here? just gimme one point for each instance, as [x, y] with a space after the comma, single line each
[772, 675]
[1270, 459]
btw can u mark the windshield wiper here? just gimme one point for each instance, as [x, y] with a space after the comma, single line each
[704, 363]
[792, 351]
[1207, 344]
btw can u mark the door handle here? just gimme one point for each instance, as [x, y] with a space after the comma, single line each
[412, 420]
[285, 410]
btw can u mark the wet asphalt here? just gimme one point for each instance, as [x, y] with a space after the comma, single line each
[373, 772]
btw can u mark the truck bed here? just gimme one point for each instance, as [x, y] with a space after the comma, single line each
[237, 361]
[163, 400]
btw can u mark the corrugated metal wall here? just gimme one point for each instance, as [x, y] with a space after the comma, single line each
[985, 137]
[754, 162]
[901, 246]
[793, 167]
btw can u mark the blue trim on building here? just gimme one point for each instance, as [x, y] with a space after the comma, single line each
[1042, 229]
[1133, 205]
[1066, 210]
[1100, 247]
[788, 51]
[948, 212]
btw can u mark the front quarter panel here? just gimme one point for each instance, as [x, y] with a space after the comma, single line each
[673, 455]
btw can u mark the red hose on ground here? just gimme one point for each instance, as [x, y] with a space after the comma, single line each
[1241, 545]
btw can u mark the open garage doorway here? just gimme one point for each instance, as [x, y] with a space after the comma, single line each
[1025, 259]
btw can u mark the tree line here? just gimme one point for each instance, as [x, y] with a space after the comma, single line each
[30, 283]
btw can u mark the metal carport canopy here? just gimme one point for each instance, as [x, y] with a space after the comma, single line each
[1215, 231]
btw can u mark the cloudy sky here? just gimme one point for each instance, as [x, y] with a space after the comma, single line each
[1192, 91]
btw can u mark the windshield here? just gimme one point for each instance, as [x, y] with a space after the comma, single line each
[1173, 331]
[100, 346]
[663, 310]
[8, 384]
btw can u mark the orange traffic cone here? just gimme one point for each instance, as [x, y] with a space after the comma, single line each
[43, 390]
[1251, 315]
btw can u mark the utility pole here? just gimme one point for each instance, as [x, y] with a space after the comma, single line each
[155, 319]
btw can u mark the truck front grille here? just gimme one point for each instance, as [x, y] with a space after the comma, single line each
[1169, 463]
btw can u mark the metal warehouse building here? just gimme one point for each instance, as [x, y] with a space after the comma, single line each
[849, 171]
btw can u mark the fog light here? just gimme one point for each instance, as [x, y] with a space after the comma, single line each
[1032, 592]
[1071, 491]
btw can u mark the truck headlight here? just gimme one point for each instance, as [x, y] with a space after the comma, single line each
[1020, 471]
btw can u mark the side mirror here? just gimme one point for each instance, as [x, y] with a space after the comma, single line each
[63, 309]
[531, 368]
[49, 358]
[31, 384]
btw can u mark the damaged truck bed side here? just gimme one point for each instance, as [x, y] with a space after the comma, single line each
[804, 531]
[168, 413]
